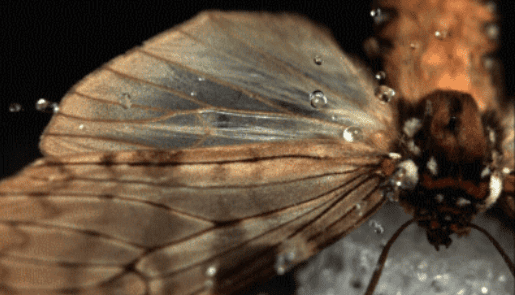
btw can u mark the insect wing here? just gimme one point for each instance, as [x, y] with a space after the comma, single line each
[219, 79]
[197, 180]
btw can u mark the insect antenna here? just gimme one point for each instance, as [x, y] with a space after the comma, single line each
[384, 254]
[510, 264]
[382, 259]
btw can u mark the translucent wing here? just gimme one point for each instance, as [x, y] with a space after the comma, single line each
[219, 79]
[197, 180]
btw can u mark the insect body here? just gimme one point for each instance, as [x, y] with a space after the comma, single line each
[450, 111]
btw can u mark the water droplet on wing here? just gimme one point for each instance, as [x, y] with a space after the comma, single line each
[317, 99]
[352, 134]
[385, 93]
[46, 106]
[318, 60]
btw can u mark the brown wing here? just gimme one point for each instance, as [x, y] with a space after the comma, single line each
[190, 221]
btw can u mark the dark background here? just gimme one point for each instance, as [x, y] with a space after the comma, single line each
[46, 48]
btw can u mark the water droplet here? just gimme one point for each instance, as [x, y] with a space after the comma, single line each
[81, 127]
[15, 107]
[492, 31]
[484, 290]
[441, 34]
[381, 75]
[45, 106]
[385, 93]
[193, 93]
[126, 101]
[211, 271]
[317, 99]
[379, 16]
[284, 262]
[378, 228]
[399, 176]
[318, 60]
[414, 45]
[359, 209]
[406, 177]
[352, 134]
[201, 79]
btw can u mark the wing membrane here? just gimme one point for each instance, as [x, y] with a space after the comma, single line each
[99, 225]
[220, 79]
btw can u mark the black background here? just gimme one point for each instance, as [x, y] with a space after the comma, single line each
[46, 48]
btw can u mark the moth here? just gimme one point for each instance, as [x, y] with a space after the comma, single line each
[230, 155]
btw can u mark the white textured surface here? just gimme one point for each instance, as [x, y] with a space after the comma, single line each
[471, 265]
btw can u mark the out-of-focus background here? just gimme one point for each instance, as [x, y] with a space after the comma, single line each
[46, 48]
